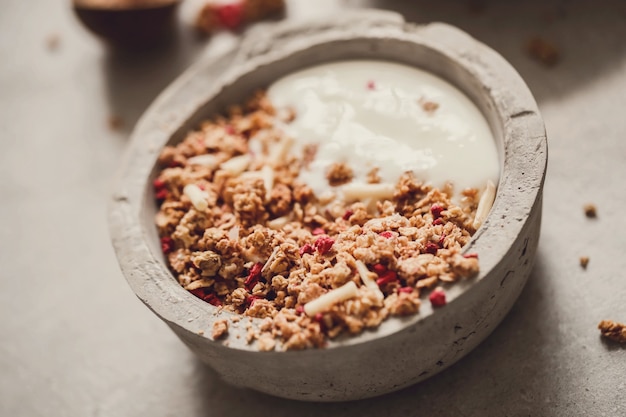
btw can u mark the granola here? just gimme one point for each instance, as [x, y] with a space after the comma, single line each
[613, 330]
[240, 230]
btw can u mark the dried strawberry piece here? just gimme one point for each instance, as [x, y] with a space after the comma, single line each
[307, 248]
[438, 221]
[386, 278]
[323, 244]
[371, 85]
[318, 231]
[158, 184]
[442, 240]
[201, 186]
[229, 129]
[198, 292]
[437, 298]
[436, 210]
[161, 194]
[319, 317]
[253, 276]
[431, 248]
[299, 310]
[386, 234]
[212, 299]
[167, 244]
[379, 269]
[251, 299]
[230, 15]
[347, 214]
[471, 255]
[407, 290]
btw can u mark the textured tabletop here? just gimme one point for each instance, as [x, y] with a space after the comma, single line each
[75, 340]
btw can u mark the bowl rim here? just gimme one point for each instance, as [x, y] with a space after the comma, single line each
[521, 127]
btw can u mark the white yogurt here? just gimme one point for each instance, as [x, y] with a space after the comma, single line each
[370, 114]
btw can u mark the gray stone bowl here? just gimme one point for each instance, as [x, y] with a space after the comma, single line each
[400, 352]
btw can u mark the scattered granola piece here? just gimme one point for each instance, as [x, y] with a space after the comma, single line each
[53, 41]
[543, 51]
[428, 106]
[115, 122]
[220, 329]
[590, 211]
[613, 330]
[339, 173]
[584, 261]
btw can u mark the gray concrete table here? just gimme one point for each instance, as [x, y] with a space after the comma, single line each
[74, 341]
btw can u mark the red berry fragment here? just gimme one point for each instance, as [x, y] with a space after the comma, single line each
[161, 194]
[436, 210]
[387, 277]
[386, 234]
[431, 248]
[230, 15]
[318, 231]
[167, 244]
[347, 214]
[407, 290]
[251, 299]
[210, 298]
[307, 248]
[371, 85]
[158, 184]
[253, 276]
[323, 244]
[229, 129]
[437, 298]
[379, 269]
[438, 221]
[442, 240]
[300, 310]
[471, 255]
[213, 300]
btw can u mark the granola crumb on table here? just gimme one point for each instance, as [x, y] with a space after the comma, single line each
[240, 231]
[613, 330]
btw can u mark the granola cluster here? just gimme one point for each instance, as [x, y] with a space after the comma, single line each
[240, 231]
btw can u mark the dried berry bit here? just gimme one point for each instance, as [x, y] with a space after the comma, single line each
[386, 278]
[438, 221]
[161, 195]
[253, 276]
[299, 310]
[613, 330]
[318, 231]
[437, 297]
[379, 269]
[347, 214]
[543, 51]
[431, 248]
[407, 290]
[442, 240]
[158, 184]
[436, 210]
[386, 234]
[590, 211]
[307, 248]
[210, 298]
[584, 261]
[323, 244]
[167, 244]
[471, 255]
[371, 85]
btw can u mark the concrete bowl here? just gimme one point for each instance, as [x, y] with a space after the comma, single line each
[400, 352]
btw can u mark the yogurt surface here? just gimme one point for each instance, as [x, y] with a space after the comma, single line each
[374, 114]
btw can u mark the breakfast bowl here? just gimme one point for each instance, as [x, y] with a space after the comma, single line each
[401, 351]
